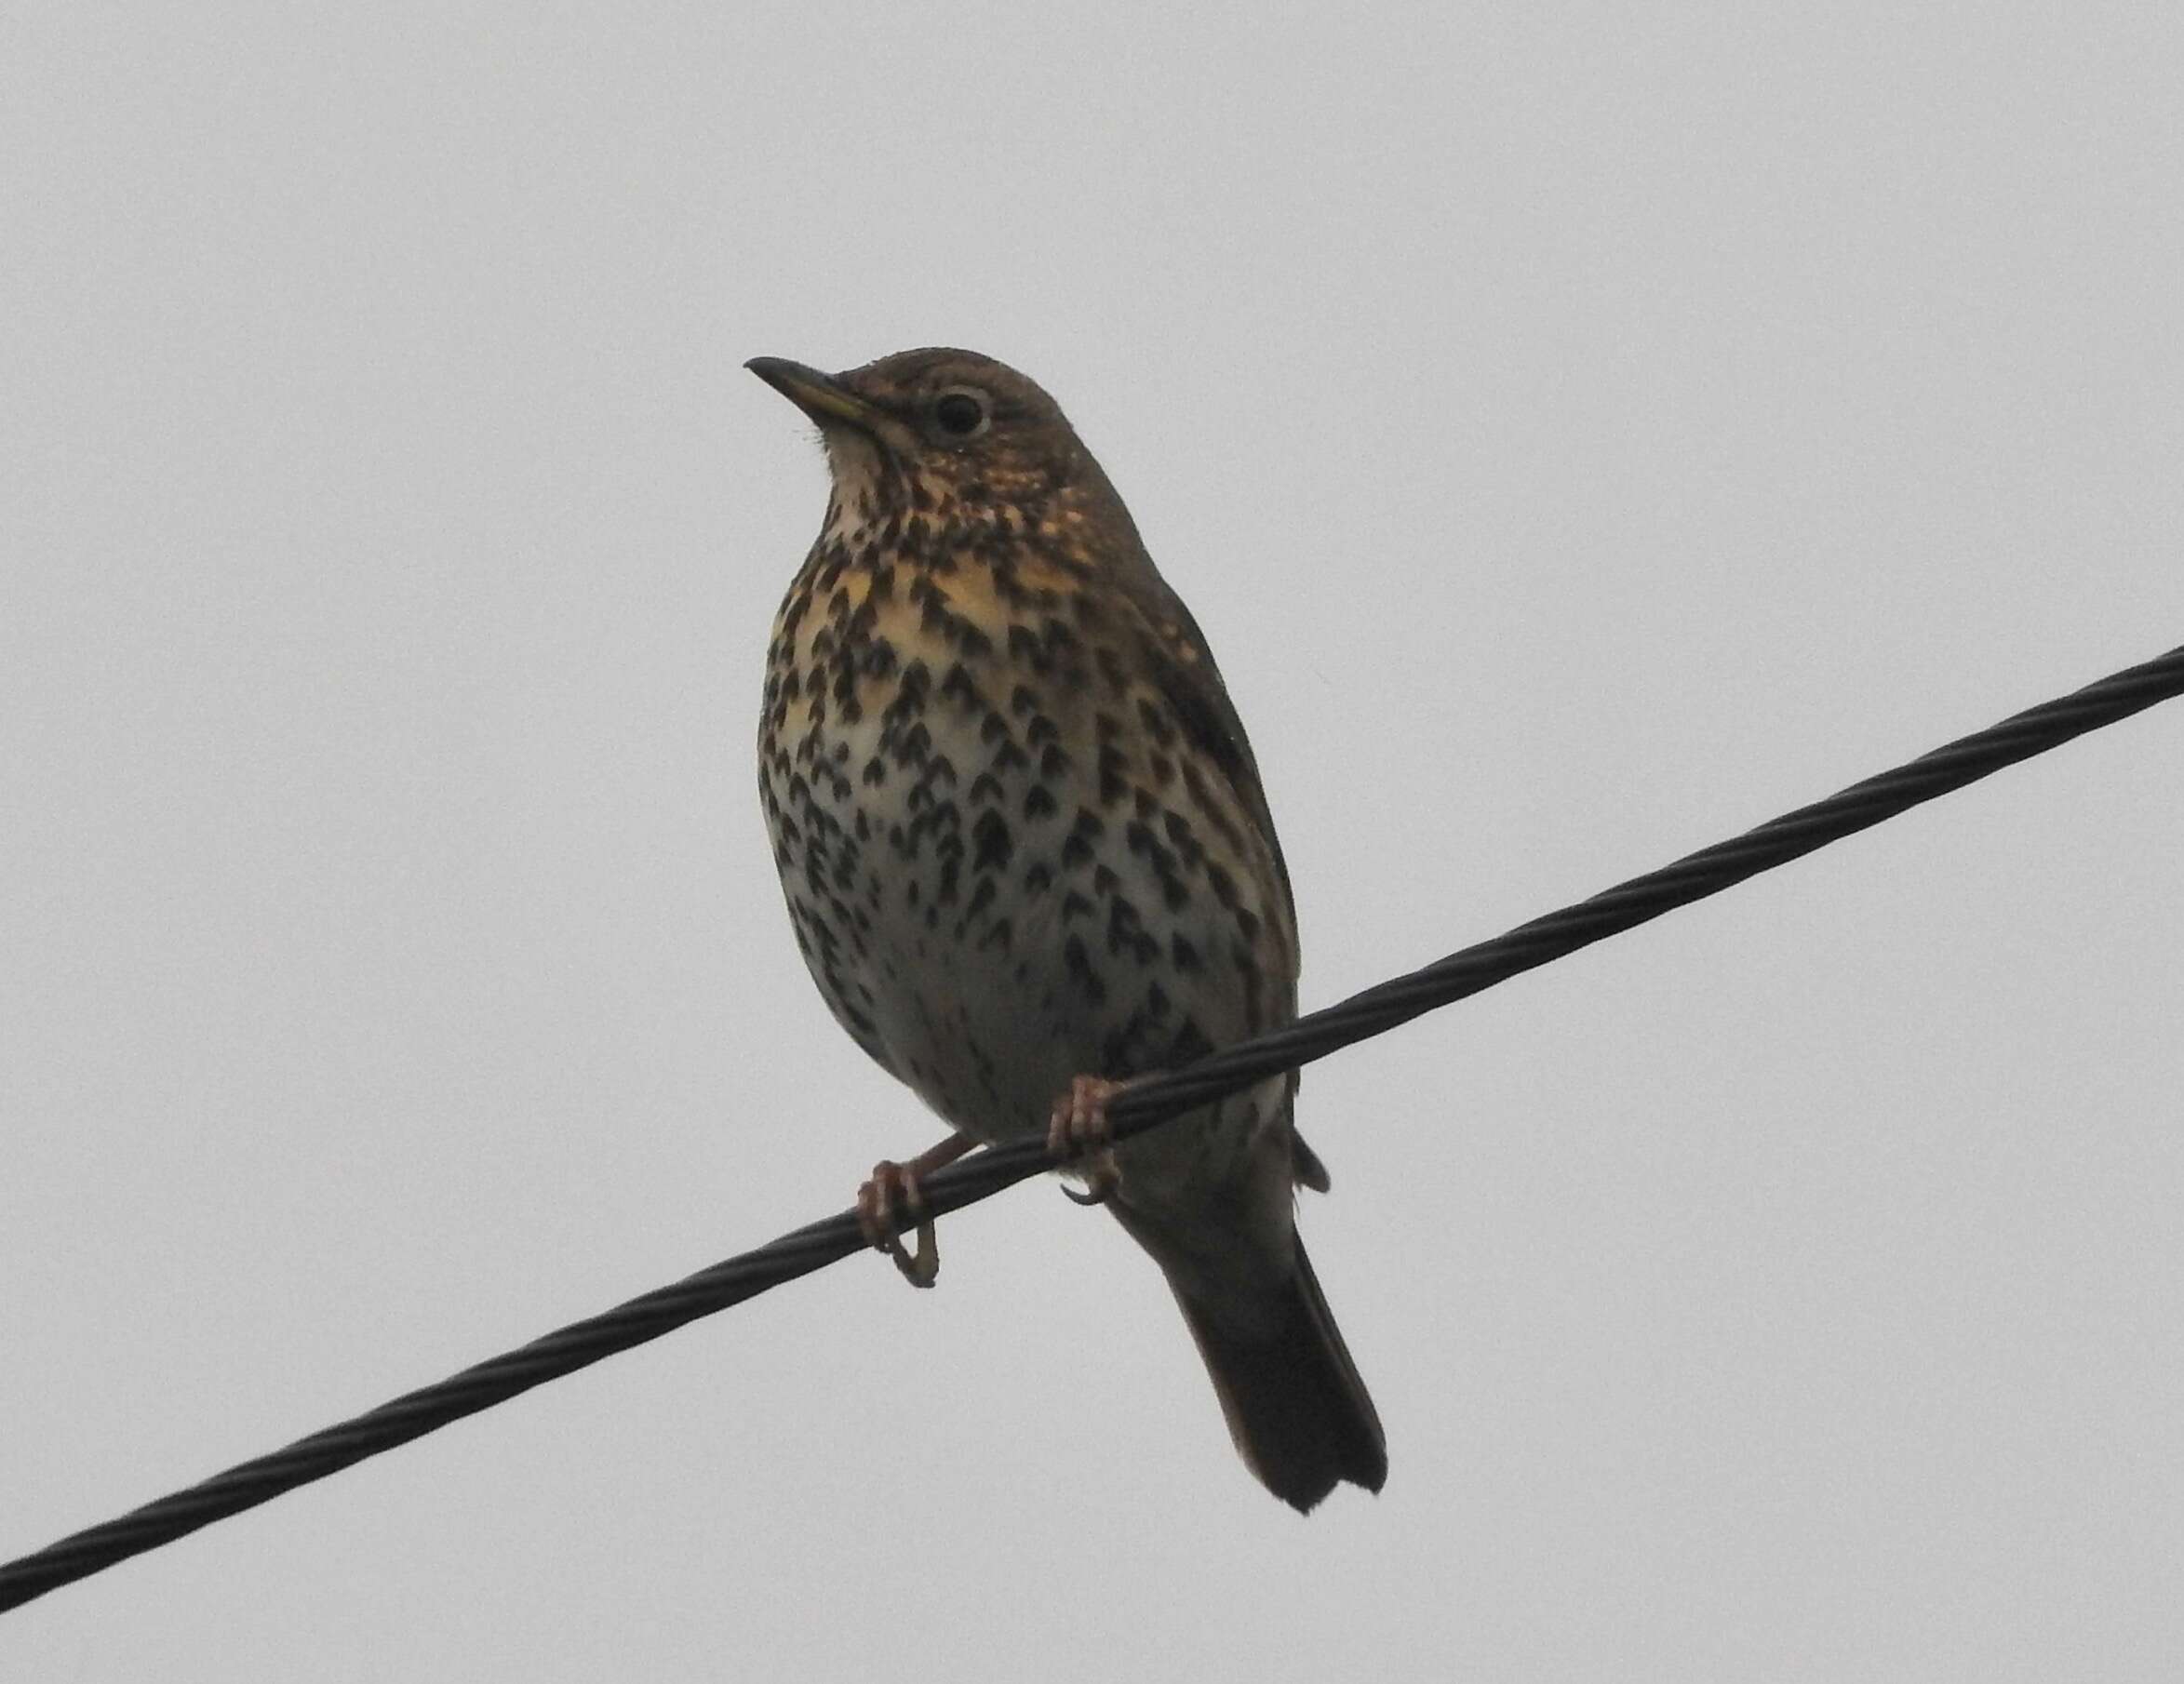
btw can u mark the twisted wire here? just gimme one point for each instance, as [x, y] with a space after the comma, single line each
[1136, 1109]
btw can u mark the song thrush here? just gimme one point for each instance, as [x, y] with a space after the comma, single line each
[1028, 858]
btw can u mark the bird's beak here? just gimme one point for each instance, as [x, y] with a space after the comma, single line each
[821, 397]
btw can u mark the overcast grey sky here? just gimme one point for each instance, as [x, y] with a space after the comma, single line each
[1583, 434]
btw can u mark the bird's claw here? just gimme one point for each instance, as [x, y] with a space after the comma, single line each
[875, 1216]
[1103, 1178]
[1079, 1134]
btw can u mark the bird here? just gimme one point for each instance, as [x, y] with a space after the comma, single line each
[1028, 859]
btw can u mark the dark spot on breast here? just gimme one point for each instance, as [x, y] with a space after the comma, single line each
[990, 838]
[1126, 932]
[1138, 836]
[1077, 962]
[1189, 1045]
[913, 745]
[1113, 764]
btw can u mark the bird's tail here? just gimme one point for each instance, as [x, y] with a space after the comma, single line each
[1301, 1418]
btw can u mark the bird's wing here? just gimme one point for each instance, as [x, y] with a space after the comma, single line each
[1182, 666]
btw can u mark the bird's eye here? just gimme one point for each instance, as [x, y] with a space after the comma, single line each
[959, 414]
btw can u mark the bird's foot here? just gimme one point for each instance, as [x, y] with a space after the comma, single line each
[1079, 1134]
[891, 1183]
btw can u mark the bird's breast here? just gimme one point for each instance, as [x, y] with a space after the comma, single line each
[1005, 862]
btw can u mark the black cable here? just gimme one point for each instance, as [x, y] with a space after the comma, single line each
[1313, 1037]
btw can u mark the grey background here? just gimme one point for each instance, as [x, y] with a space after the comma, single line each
[1583, 435]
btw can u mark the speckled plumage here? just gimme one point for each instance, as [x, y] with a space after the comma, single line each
[1023, 840]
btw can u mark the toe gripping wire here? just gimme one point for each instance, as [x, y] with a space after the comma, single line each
[1143, 1105]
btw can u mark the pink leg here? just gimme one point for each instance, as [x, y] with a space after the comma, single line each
[1078, 1131]
[876, 1208]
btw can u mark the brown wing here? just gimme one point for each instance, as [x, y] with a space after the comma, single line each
[1183, 666]
[1176, 654]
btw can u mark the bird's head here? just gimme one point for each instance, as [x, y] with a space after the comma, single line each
[949, 435]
